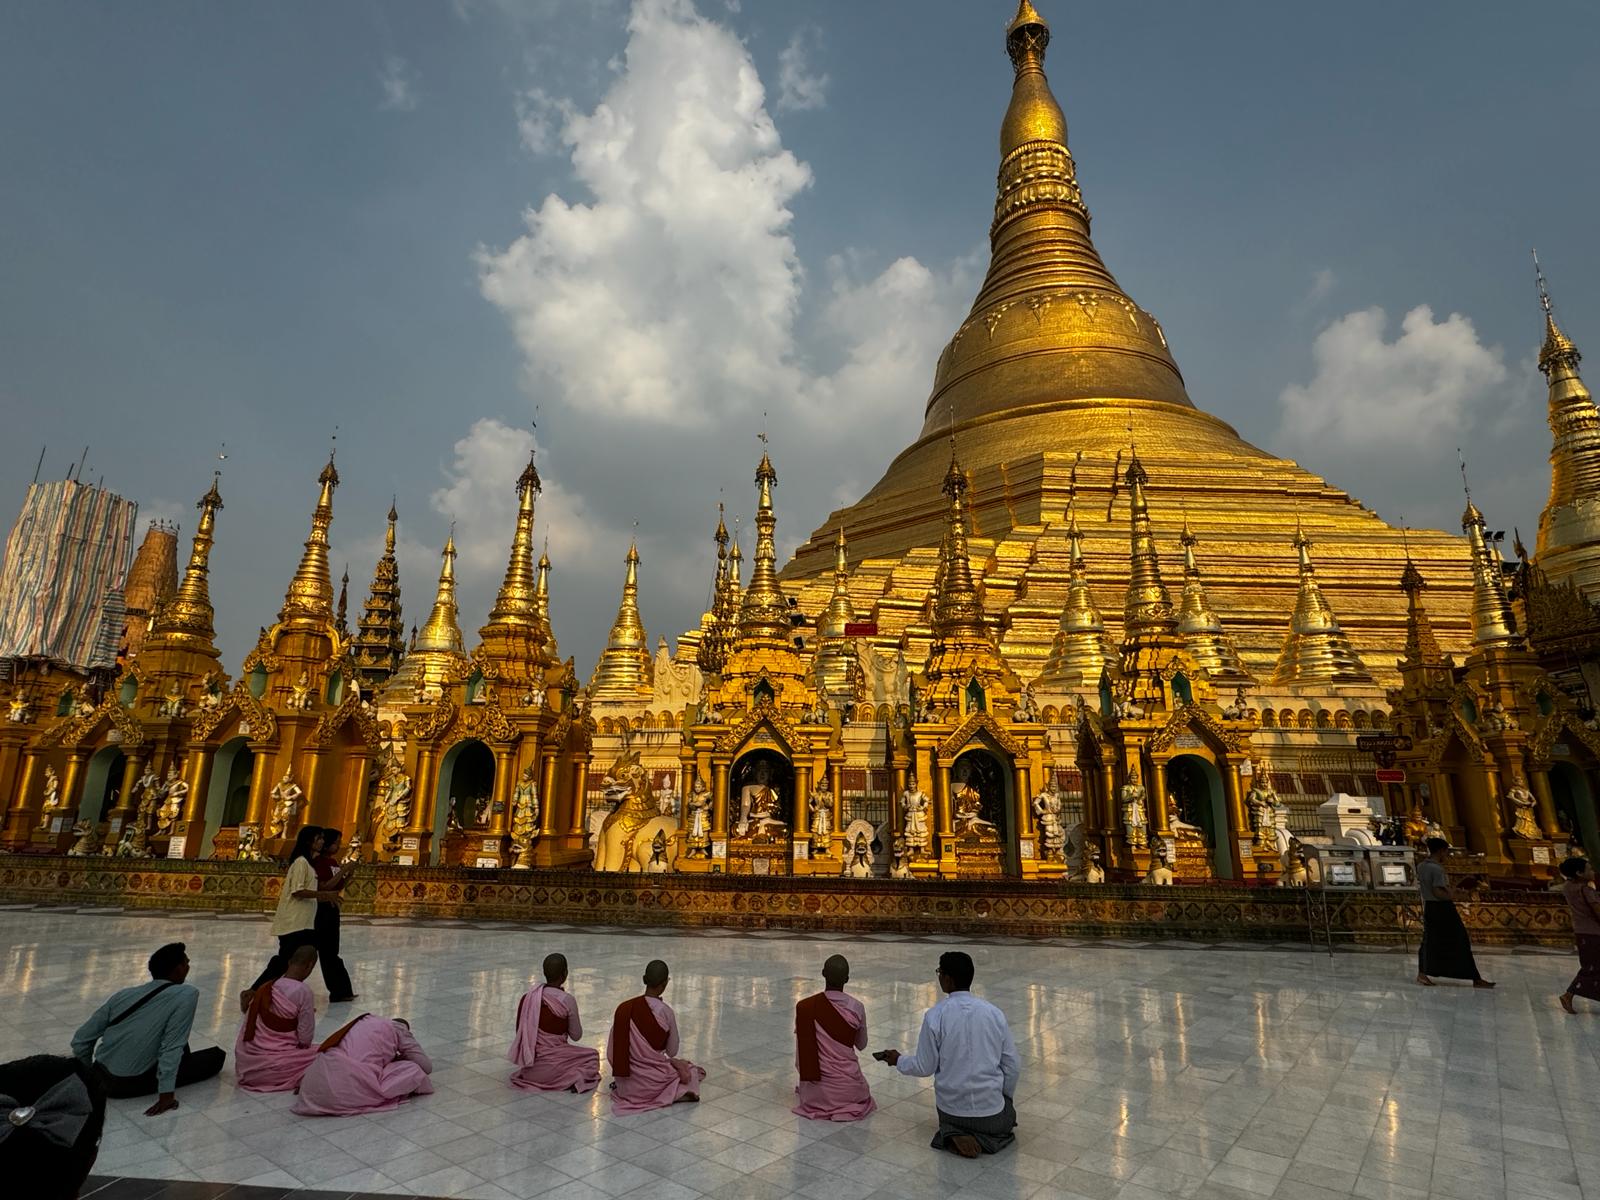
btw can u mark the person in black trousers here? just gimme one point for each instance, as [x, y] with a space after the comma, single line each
[331, 876]
[295, 921]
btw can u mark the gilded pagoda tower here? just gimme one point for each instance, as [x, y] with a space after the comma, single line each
[380, 641]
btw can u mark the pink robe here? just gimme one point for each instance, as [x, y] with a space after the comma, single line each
[375, 1067]
[657, 1078]
[549, 1062]
[842, 1093]
[273, 1060]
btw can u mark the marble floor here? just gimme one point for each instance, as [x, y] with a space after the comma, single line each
[1147, 1070]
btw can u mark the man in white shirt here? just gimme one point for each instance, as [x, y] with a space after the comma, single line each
[966, 1045]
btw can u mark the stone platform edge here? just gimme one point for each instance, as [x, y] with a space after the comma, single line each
[800, 903]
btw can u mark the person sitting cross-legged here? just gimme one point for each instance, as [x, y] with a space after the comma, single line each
[138, 1039]
[643, 1048]
[966, 1045]
[547, 1028]
[275, 1043]
[370, 1065]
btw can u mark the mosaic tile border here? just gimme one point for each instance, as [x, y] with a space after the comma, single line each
[798, 904]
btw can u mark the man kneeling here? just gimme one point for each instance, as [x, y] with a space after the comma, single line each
[547, 1025]
[966, 1045]
[642, 1051]
[370, 1065]
[275, 1043]
[829, 1028]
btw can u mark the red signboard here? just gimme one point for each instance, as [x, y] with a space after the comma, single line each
[861, 629]
[1389, 775]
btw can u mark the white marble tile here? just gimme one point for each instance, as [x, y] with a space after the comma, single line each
[1152, 1070]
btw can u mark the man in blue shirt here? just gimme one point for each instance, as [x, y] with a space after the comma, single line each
[138, 1039]
[966, 1045]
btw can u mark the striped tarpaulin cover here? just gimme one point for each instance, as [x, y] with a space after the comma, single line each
[68, 552]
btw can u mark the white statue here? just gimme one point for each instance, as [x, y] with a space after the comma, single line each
[900, 862]
[286, 795]
[914, 807]
[1160, 872]
[352, 852]
[1176, 825]
[658, 864]
[249, 844]
[174, 792]
[1127, 710]
[1133, 820]
[85, 707]
[88, 840]
[20, 712]
[1026, 709]
[172, 703]
[968, 817]
[760, 806]
[300, 698]
[1522, 805]
[858, 859]
[667, 797]
[127, 847]
[821, 817]
[698, 805]
[480, 813]
[1093, 872]
[1047, 813]
[1239, 709]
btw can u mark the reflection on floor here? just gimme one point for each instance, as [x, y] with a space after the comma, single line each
[1148, 1071]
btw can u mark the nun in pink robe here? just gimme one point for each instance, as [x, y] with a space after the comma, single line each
[547, 1060]
[370, 1065]
[275, 1045]
[642, 1051]
[829, 1028]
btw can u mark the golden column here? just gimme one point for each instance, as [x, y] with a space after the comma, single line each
[1023, 811]
[802, 797]
[1157, 791]
[72, 781]
[505, 775]
[19, 804]
[260, 785]
[719, 801]
[1539, 781]
[580, 798]
[547, 791]
[941, 802]
[836, 780]
[1444, 802]
[424, 793]
[132, 768]
[1107, 800]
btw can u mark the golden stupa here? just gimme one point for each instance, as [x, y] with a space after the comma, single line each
[1051, 382]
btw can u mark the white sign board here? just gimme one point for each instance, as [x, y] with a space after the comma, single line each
[175, 847]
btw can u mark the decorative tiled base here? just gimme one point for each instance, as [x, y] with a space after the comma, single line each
[991, 907]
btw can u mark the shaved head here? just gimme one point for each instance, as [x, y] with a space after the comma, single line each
[836, 971]
[655, 974]
[301, 963]
[555, 968]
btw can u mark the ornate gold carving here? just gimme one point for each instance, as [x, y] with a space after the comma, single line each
[979, 721]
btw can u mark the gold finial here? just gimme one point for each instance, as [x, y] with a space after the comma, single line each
[1422, 646]
[763, 611]
[437, 650]
[380, 641]
[1558, 350]
[1493, 626]
[388, 537]
[957, 605]
[187, 619]
[1080, 651]
[514, 604]
[624, 670]
[310, 594]
[1147, 605]
[1203, 636]
[1027, 37]
[1316, 649]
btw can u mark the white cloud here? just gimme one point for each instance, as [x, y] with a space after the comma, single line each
[540, 119]
[1436, 379]
[800, 87]
[398, 84]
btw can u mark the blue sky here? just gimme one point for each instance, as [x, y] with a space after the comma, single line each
[658, 220]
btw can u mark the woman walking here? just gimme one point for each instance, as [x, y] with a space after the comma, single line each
[295, 921]
[1446, 949]
[1578, 887]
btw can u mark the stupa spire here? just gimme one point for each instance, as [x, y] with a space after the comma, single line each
[514, 604]
[437, 649]
[763, 612]
[188, 615]
[310, 594]
[1080, 651]
[1148, 606]
[957, 606]
[380, 641]
[840, 611]
[541, 606]
[717, 628]
[1208, 644]
[624, 667]
[836, 660]
[1493, 626]
[1422, 647]
[1568, 545]
[1316, 649]
[1050, 323]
